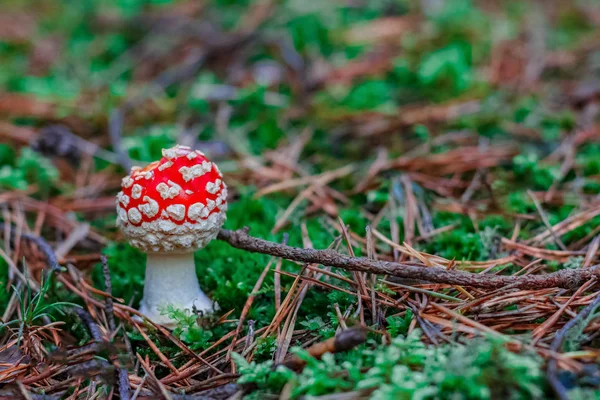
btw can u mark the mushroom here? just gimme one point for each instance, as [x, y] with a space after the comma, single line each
[169, 209]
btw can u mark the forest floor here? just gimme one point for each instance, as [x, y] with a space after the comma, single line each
[447, 153]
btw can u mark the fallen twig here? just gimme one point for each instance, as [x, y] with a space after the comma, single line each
[562, 279]
[92, 326]
[343, 341]
[122, 375]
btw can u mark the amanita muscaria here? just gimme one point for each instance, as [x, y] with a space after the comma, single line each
[169, 209]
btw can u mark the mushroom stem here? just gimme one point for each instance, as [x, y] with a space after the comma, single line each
[171, 279]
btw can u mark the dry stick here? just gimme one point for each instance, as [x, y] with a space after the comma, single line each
[361, 288]
[410, 205]
[139, 388]
[539, 332]
[552, 370]
[180, 344]
[591, 253]
[190, 371]
[288, 328]
[291, 306]
[108, 308]
[343, 341]
[163, 391]
[185, 369]
[156, 350]
[277, 277]
[319, 180]
[123, 376]
[563, 279]
[250, 336]
[340, 317]
[23, 391]
[568, 224]
[91, 324]
[371, 255]
[317, 282]
[50, 371]
[540, 210]
[210, 383]
[394, 226]
[469, 322]
[246, 309]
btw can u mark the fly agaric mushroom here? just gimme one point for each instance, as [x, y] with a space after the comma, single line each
[169, 209]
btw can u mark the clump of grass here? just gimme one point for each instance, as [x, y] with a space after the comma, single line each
[35, 306]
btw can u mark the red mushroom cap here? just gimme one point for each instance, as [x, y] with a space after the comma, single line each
[176, 204]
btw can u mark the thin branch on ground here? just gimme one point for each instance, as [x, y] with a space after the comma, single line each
[563, 279]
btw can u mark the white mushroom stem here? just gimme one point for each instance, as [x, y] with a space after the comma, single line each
[171, 279]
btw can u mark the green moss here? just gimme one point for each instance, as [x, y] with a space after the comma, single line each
[582, 231]
[456, 244]
[147, 144]
[28, 168]
[7, 155]
[529, 171]
[519, 202]
[587, 159]
[499, 223]
[448, 67]
[409, 369]
[4, 286]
